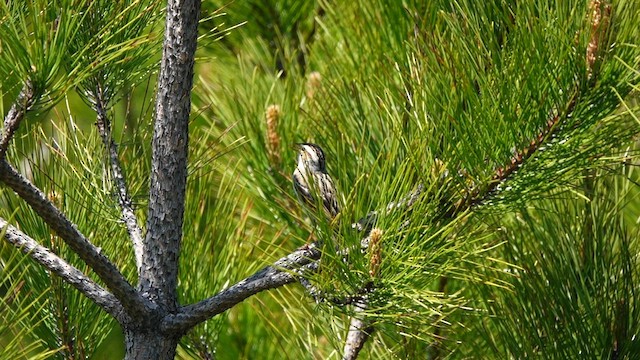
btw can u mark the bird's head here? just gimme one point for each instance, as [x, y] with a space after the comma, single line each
[311, 157]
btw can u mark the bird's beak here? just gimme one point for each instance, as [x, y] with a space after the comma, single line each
[297, 146]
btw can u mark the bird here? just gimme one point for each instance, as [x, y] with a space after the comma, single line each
[310, 179]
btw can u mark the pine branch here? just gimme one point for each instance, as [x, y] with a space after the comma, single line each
[291, 267]
[477, 195]
[161, 245]
[367, 222]
[64, 270]
[124, 200]
[600, 21]
[360, 329]
[134, 303]
[284, 271]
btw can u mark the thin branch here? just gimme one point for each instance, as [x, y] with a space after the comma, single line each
[161, 245]
[124, 200]
[284, 271]
[319, 296]
[313, 291]
[360, 331]
[64, 270]
[368, 221]
[14, 117]
[134, 303]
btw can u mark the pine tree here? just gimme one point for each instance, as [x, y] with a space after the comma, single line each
[484, 155]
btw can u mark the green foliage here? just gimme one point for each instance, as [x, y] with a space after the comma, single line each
[403, 85]
[67, 169]
[575, 284]
[125, 46]
[57, 46]
[280, 31]
[20, 311]
[34, 38]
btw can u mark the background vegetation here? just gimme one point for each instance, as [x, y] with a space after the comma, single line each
[438, 93]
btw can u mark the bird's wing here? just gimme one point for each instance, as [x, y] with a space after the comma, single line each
[329, 196]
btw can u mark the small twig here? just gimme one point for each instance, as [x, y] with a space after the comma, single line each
[23, 103]
[373, 237]
[124, 200]
[312, 290]
[319, 296]
[64, 270]
[137, 306]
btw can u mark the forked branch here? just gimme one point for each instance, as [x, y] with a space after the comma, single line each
[135, 304]
[132, 301]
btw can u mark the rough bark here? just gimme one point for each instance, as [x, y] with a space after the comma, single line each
[158, 276]
[161, 245]
[14, 117]
[149, 344]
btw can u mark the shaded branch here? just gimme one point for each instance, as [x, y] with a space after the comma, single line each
[14, 117]
[284, 271]
[64, 270]
[134, 303]
[360, 331]
[161, 245]
[124, 200]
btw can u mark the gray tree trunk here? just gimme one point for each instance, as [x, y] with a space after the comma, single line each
[161, 245]
[150, 344]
